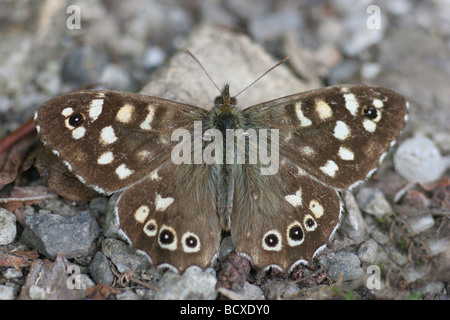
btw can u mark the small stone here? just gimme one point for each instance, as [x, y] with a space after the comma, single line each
[380, 237]
[6, 292]
[12, 273]
[154, 57]
[420, 224]
[419, 160]
[194, 284]
[83, 65]
[353, 225]
[252, 292]
[100, 269]
[372, 201]
[124, 257]
[345, 266]
[8, 228]
[127, 295]
[367, 251]
[52, 233]
[115, 77]
[399, 258]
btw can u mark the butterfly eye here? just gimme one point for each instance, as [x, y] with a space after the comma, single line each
[272, 241]
[76, 120]
[233, 101]
[295, 234]
[191, 242]
[218, 101]
[372, 113]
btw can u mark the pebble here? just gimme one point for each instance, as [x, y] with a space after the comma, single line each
[52, 233]
[420, 224]
[8, 228]
[345, 266]
[100, 269]
[12, 273]
[193, 284]
[367, 252]
[6, 292]
[418, 159]
[372, 201]
[123, 256]
[115, 77]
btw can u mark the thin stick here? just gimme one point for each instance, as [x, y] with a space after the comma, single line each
[276, 65]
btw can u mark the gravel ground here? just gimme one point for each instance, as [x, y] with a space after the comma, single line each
[396, 225]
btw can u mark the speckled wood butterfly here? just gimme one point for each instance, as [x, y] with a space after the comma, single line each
[181, 186]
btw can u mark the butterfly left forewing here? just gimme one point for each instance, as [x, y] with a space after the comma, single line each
[111, 139]
[336, 134]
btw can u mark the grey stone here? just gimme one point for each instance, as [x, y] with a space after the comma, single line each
[419, 160]
[367, 252]
[420, 224]
[124, 257]
[127, 295]
[372, 201]
[8, 228]
[353, 225]
[193, 284]
[345, 266]
[6, 292]
[12, 273]
[100, 269]
[52, 233]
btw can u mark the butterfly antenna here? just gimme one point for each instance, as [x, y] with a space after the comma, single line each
[276, 65]
[201, 66]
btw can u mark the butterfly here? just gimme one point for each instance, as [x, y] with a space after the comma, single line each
[270, 174]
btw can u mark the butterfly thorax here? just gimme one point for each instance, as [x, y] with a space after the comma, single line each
[225, 114]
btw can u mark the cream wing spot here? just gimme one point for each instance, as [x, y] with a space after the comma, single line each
[307, 151]
[95, 109]
[78, 133]
[323, 110]
[123, 172]
[304, 121]
[369, 125]
[295, 199]
[125, 113]
[341, 130]
[147, 123]
[163, 203]
[107, 135]
[351, 104]
[377, 103]
[141, 213]
[105, 158]
[316, 208]
[66, 112]
[346, 154]
[330, 168]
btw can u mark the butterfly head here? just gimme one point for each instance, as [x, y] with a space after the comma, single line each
[224, 101]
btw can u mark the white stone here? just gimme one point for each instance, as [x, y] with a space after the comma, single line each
[8, 228]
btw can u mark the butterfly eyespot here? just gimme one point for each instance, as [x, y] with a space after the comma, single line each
[295, 234]
[272, 241]
[150, 228]
[372, 113]
[310, 223]
[76, 120]
[191, 242]
[167, 238]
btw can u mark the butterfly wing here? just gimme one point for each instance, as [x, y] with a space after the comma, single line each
[329, 139]
[172, 217]
[111, 139]
[336, 134]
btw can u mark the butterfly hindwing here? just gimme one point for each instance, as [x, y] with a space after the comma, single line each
[171, 219]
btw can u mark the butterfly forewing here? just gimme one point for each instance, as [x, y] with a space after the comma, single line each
[112, 139]
[336, 134]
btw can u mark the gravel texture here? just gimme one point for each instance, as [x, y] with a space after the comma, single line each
[396, 224]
